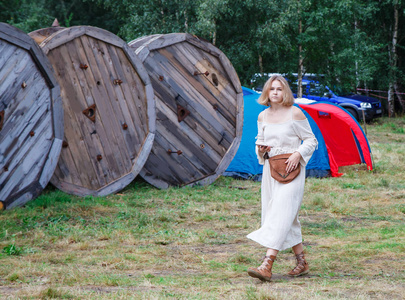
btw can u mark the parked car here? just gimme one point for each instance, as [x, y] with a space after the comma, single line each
[314, 90]
[355, 104]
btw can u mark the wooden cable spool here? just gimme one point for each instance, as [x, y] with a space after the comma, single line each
[109, 110]
[199, 109]
[31, 118]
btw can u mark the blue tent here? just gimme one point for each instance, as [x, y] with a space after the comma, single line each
[245, 164]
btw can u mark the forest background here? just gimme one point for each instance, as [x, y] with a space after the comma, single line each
[355, 44]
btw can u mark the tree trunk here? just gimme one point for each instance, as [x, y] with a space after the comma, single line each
[394, 62]
[300, 59]
[214, 34]
[391, 100]
[261, 64]
[399, 96]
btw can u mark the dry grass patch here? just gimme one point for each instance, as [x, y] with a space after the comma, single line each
[189, 243]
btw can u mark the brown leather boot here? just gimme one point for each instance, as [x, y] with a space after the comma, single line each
[302, 267]
[264, 271]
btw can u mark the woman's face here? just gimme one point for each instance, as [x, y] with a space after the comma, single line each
[276, 92]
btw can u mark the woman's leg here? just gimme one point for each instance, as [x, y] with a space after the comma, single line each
[302, 266]
[271, 252]
[298, 249]
[264, 271]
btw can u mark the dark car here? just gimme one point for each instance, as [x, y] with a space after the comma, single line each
[355, 104]
[312, 89]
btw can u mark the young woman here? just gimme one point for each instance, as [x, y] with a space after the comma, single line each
[282, 128]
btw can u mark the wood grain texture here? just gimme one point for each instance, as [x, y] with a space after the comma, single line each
[188, 73]
[30, 139]
[107, 110]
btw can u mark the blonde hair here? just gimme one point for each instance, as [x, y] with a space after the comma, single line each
[288, 98]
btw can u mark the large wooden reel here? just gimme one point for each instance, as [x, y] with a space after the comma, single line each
[109, 110]
[31, 118]
[199, 109]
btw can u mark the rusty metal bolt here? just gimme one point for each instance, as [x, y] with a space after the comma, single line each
[171, 152]
[99, 157]
[125, 126]
[161, 78]
[83, 66]
[32, 133]
[65, 144]
[206, 73]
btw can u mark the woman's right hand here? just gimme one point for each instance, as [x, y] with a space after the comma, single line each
[263, 148]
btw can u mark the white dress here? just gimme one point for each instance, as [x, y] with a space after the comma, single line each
[280, 228]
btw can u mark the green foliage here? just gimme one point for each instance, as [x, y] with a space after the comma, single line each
[348, 41]
[12, 249]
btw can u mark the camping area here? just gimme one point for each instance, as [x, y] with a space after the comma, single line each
[189, 243]
[128, 132]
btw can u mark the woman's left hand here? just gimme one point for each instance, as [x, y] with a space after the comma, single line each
[292, 162]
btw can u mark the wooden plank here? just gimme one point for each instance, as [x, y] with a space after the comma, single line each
[61, 37]
[20, 172]
[151, 112]
[84, 99]
[12, 38]
[227, 109]
[206, 46]
[115, 186]
[103, 142]
[233, 75]
[9, 73]
[104, 35]
[171, 168]
[188, 161]
[143, 41]
[75, 130]
[194, 120]
[166, 40]
[8, 51]
[112, 112]
[66, 169]
[58, 117]
[135, 90]
[42, 34]
[43, 66]
[143, 154]
[198, 119]
[190, 85]
[21, 200]
[203, 60]
[99, 140]
[200, 157]
[25, 72]
[126, 103]
[36, 156]
[240, 115]
[137, 64]
[18, 127]
[106, 94]
[51, 162]
[192, 97]
[8, 32]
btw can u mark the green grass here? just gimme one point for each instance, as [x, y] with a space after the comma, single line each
[189, 243]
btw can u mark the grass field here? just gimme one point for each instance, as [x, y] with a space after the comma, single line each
[189, 243]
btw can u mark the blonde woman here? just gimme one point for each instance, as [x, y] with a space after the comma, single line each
[282, 128]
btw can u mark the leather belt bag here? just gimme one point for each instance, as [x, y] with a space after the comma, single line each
[278, 166]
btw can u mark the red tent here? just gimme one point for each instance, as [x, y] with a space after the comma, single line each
[344, 138]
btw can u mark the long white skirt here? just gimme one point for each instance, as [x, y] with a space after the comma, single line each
[280, 228]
